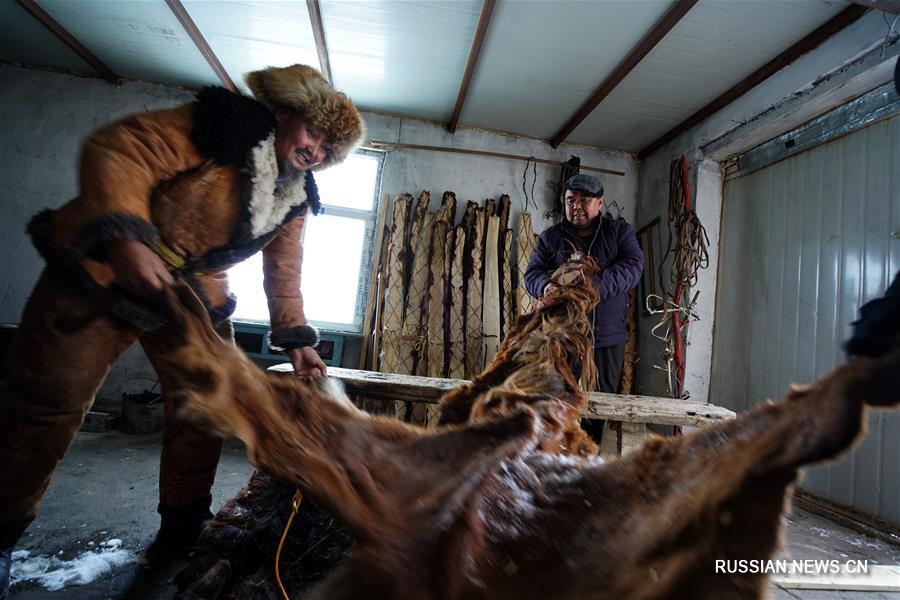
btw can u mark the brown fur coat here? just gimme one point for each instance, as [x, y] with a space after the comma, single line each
[201, 178]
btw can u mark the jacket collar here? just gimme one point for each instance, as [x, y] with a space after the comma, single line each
[268, 202]
[572, 231]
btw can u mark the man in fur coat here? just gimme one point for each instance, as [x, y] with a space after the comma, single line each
[186, 192]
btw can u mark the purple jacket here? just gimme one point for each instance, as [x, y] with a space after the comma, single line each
[616, 249]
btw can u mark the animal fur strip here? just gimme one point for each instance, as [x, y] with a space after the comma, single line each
[509, 502]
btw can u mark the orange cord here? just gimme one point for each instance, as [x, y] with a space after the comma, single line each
[295, 507]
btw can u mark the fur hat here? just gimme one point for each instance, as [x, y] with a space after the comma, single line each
[302, 88]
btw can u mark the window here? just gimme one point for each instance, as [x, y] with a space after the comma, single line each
[337, 249]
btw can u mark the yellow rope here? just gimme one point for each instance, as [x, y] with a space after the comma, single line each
[172, 257]
[295, 506]
[169, 255]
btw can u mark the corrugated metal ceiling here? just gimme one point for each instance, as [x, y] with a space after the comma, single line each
[541, 59]
[715, 46]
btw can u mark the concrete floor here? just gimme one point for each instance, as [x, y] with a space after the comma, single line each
[107, 487]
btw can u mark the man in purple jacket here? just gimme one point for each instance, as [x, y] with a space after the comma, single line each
[613, 244]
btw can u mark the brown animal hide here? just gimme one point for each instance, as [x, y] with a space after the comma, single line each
[235, 555]
[506, 500]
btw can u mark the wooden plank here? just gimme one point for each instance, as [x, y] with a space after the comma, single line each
[544, 161]
[810, 42]
[879, 578]
[490, 207]
[457, 321]
[373, 277]
[487, 9]
[503, 212]
[525, 245]
[415, 318]
[474, 295]
[491, 303]
[633, 409]
[447, 212]
[376, 337]
[417, 222]
[631, 436]
[393, 295]
[435, 350]
[649, 41]
[869, 525]
[627, 379]
[507, 293]
[651, 409]
[318, 29]
[437, 291]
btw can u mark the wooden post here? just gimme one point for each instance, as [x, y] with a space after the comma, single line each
[436, 303]
[525, 248]
[616, 407]
[393, 295]
[507, 293]
[474, 291]
[491, 302]
[412, 357]
[447, 212]
[416, 222]
[376, 337]
[503, 212]
[373, 277]
[456, 321]
[631, 435]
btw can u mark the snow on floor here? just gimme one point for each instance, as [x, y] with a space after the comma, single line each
[54, 573]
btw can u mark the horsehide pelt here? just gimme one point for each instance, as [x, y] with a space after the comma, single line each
[506, 498]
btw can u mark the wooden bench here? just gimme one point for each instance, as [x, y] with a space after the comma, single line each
[633, 411]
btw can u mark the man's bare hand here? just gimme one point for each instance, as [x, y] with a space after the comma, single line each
[137, 268]
[550, 288]
[307, 363]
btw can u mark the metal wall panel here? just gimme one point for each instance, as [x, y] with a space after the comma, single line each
[805, 242]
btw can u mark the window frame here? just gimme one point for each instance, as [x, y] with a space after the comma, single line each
[367, 256]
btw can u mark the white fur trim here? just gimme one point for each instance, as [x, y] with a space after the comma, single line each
[269, 204]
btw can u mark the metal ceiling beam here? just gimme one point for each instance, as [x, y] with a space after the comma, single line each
[190, 27]
[647, 44]
[808, 43]
[487, 10]
[69, 40]
[315, 19]
[891, 6]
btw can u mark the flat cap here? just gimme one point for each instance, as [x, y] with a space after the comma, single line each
[587, 184]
